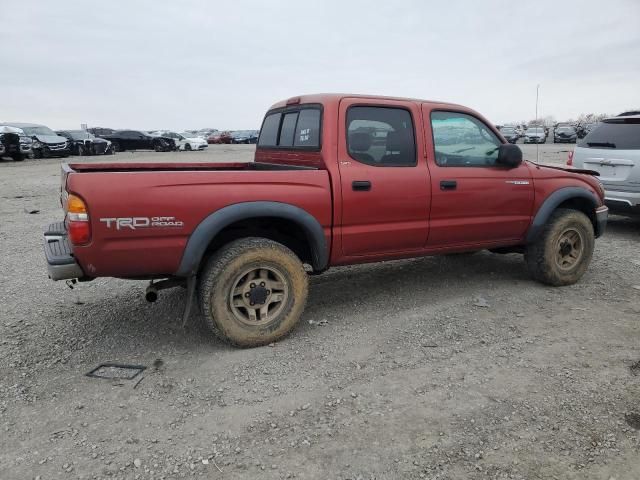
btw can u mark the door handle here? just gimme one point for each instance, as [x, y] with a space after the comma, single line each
[361, 185]
[448, 185]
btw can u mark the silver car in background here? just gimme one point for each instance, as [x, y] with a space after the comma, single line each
[612, 148]
[535, 134]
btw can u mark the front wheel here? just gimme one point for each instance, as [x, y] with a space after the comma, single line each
[563, 251]
[187, 147]
[252, 292]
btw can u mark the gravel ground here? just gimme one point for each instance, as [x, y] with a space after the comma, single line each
[436, 368]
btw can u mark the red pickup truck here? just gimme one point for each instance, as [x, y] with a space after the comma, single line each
[337, 180]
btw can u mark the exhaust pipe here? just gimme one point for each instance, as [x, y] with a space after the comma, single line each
[151, 295]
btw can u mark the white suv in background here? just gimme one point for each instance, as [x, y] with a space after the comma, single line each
[612, 148]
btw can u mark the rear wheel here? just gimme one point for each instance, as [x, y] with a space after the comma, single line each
[562, 253]
[17, 157]
[252, 292]
[116, 147]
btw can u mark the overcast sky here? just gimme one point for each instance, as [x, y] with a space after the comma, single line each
[192, 64]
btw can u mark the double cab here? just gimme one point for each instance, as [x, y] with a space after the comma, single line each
[336, 179]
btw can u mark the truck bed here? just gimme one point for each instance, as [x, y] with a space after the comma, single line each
[185, 193]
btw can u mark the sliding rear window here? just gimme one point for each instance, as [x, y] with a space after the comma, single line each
[617, 134]
[295, 128]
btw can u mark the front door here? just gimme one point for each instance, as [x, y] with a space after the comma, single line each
[474, 200]
[384, 178]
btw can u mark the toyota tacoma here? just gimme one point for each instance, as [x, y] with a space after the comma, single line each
[336, 180]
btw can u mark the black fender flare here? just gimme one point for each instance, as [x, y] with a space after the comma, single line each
[215, 222]
[552, 202]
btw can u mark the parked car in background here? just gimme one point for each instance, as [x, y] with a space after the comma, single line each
[45, 142]
[220, 137]
[183, 141]
[137, 140]
[82, 143]
[509, 133]
[26, 144]
[612, 148]
[535, 134]
[564, 134]
[244, 136]
[10, 143]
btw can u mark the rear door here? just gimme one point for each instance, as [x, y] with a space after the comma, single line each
[384, 177]
[475, 200]
[612, 148]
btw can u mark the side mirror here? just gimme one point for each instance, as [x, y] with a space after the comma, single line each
[509, 155]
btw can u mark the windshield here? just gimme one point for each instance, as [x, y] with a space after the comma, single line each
[534, 130]
[39, 130]
[566, 129]
[623, 135]
[508, 130]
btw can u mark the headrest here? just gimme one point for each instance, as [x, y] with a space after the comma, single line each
[394, 141]
[359, 142]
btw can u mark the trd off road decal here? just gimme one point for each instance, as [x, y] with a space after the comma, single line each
[142, 222]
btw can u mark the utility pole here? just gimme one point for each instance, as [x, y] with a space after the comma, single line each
[537, 142]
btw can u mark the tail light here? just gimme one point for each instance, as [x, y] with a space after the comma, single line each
[570, 158]
[77, 219]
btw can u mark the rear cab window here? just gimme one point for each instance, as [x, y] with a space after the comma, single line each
[381, 136]
[292, 128]
[619, 134]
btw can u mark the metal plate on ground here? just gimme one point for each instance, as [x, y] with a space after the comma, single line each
[116, 371]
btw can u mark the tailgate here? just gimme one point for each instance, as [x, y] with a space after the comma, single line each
[617, 168]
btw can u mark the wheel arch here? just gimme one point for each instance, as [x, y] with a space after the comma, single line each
[576, 198]
[215, 231]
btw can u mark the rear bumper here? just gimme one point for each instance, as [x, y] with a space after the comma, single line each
[61, 264]
[615, 198]
[602, 215]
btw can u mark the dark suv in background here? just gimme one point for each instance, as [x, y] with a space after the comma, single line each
[565, 134]
[82, 143]
[46, 143]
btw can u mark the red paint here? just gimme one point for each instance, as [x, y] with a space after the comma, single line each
[405, 214]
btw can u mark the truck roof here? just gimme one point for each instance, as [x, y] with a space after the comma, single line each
[325, 98]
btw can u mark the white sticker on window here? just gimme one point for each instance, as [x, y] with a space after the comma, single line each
[305, 134]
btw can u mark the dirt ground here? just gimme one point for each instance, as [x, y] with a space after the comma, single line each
[436, 368]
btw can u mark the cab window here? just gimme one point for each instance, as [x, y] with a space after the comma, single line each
[461, 140]
[381, 136]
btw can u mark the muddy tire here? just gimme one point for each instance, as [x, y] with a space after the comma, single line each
[252, 292]
[563, 251]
